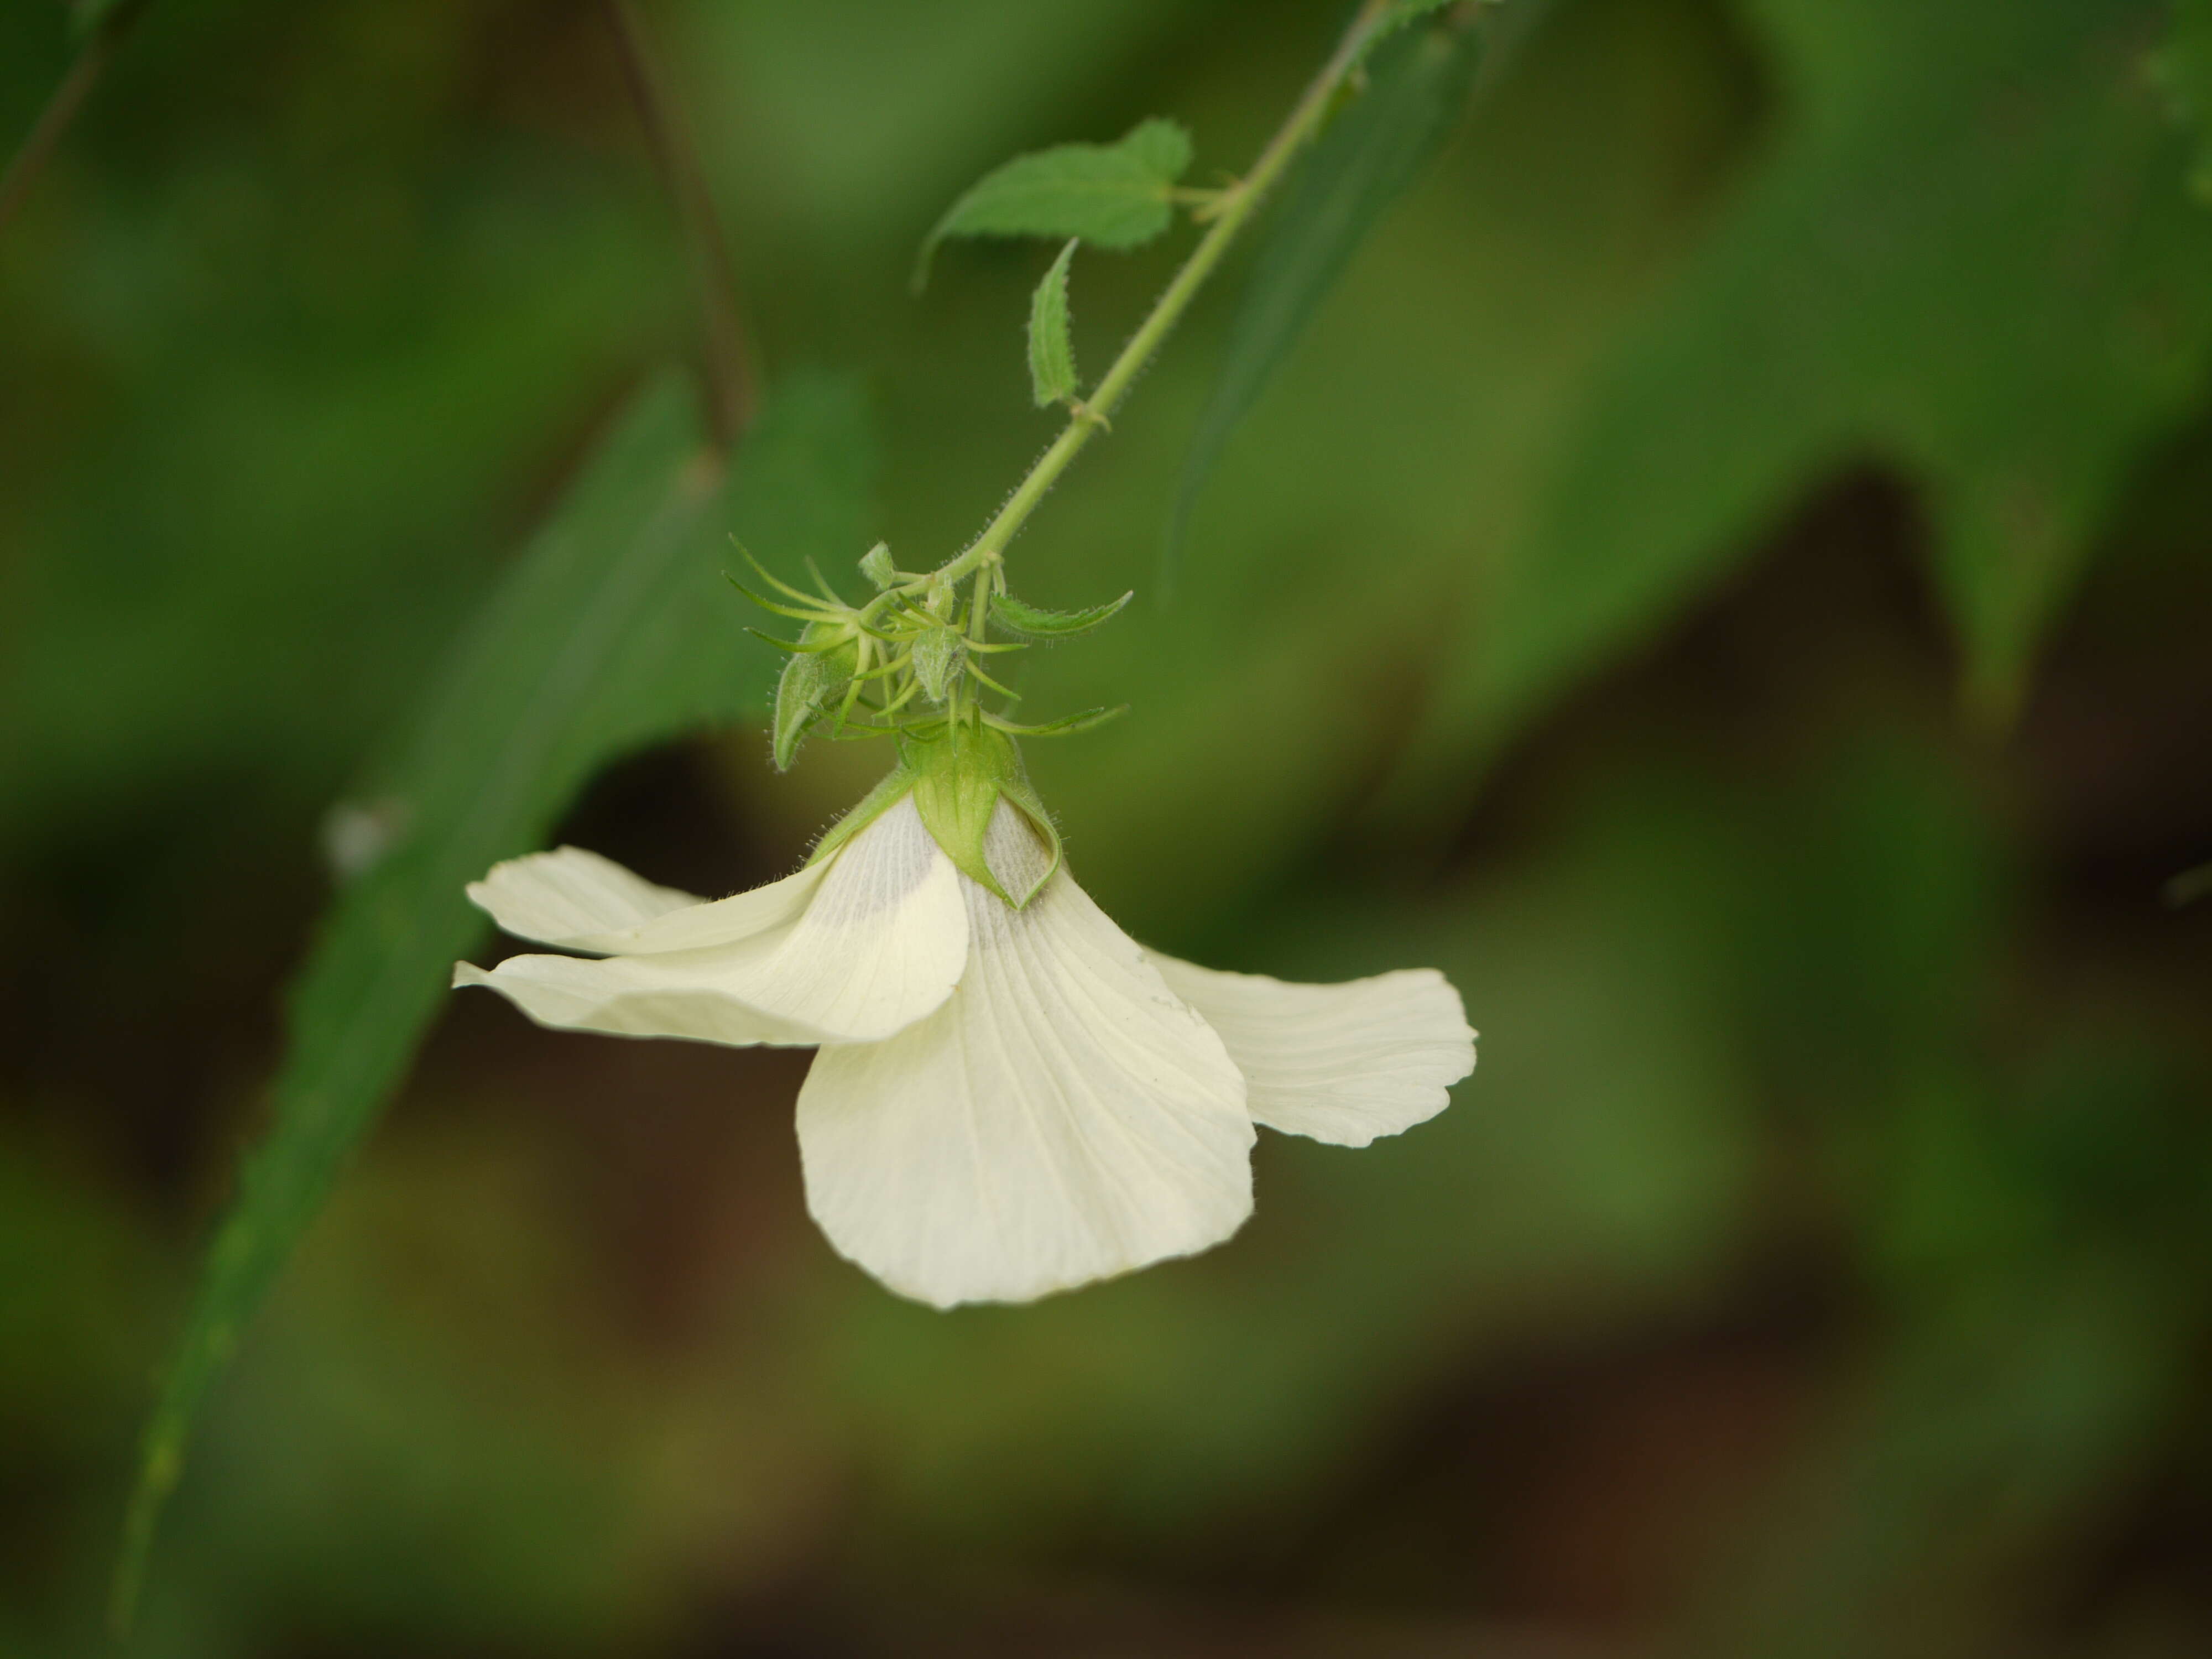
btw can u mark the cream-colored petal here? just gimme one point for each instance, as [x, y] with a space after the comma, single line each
[1061, 1119]
[668, 995]
[881, 946]
[582, 902]
[1340, 1063]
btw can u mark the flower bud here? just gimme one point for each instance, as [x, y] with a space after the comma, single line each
[875, 565]
[816, 676]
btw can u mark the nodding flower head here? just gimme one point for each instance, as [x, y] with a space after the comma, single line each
[1011, 1095]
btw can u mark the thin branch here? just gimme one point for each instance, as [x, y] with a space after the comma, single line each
[724, 360]
[45, 134]
[1091, 415]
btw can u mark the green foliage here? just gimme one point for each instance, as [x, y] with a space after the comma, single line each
[1111, 195]
[1017, 617]
[1366, 159]
[611, 633]
[1774, 971]
[1052, 352]
[2186, 67]
[369, 530]
[88, 16]
[1403, 12]
[1824, 320]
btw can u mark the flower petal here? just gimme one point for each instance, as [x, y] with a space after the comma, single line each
[881, 946]
[582, 902]
[1062, 1118]
[1340, 1063]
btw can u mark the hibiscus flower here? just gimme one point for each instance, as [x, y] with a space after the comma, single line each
[1011, 1095]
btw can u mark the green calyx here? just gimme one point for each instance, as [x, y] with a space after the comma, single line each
[908, 662]
[960, 779]
[957, 777]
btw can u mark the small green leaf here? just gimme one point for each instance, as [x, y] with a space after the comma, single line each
[1162, 146]
[1011, 613]
[875, 565]
[938, 656]
[1112, 196]
[1419, 87]
[607, 635]
[1052, 352]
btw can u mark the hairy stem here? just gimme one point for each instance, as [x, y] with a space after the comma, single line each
[725, 362]
[1236, 206]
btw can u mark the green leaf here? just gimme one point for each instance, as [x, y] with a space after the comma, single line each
[1403, 12]
[1011, 614]
[875, 565]
[1883, 289]
[1366, 159]
[1052, 352]
[612, 632]
[2185, 67]
[1111, 195]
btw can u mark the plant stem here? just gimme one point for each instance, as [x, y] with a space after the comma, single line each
[725, 364]
[1237, 206]
[46, 133]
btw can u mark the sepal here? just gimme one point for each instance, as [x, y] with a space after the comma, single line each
[1065, 727]
[959, 779]
[1012, 615]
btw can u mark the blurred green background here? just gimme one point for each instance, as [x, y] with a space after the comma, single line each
[1725, 577]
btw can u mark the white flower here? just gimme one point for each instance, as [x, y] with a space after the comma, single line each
[1007, 1102]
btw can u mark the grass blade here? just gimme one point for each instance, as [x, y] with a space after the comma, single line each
[612, 632]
